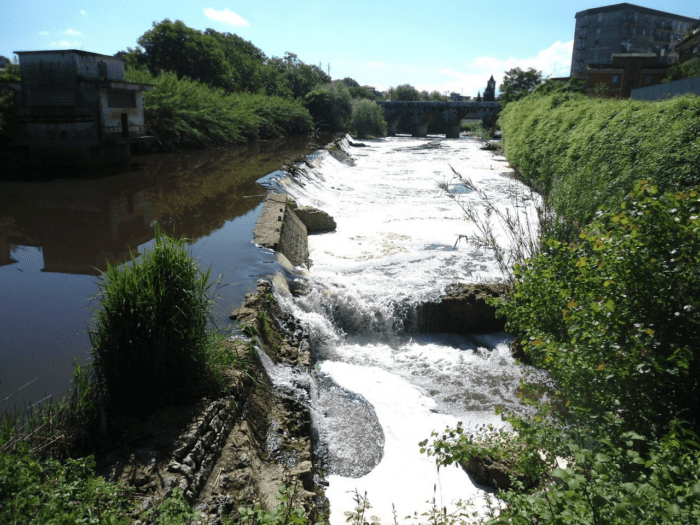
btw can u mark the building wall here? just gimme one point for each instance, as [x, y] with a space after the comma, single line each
[626, 73]
[625, 28]
[118, 100]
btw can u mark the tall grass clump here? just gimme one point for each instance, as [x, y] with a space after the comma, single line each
[150, 345]
[368, 119]
[588, 153]
[185, 113]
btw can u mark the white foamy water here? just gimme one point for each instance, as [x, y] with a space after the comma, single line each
[378, 388]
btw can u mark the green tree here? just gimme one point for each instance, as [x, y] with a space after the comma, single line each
[518, 83]
[172, 46]
[404, 92]
[330, 106]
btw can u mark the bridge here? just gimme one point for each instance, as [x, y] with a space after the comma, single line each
[421, 113]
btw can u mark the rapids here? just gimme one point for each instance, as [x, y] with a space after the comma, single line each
[378, 387]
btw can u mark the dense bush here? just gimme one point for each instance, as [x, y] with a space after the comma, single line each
[330, 107]
[368, 119]
[588, 153]
[184, 113]
[150, 346]
[614, 317]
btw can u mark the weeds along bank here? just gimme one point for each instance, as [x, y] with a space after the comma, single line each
[586, 153]
[611, 312]
[184, 113]
[170, 422]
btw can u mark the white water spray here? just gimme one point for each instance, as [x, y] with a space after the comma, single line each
[378, 388]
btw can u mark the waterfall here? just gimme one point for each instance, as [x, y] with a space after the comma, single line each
[378, 387]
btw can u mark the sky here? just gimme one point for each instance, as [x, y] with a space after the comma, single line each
[443, 45]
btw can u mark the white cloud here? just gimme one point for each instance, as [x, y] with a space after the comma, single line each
[66, 44]
[83, 12]
[44, 33]
[71, 32]
[226, 16]
[554, 61]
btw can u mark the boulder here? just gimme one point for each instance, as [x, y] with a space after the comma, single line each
[463, 310]
[497, 474]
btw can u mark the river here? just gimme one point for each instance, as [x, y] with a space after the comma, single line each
[56, 237]
[379, 388]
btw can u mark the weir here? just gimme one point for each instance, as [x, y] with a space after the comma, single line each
[378, 385]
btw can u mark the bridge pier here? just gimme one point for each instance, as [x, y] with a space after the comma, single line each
[419, 130]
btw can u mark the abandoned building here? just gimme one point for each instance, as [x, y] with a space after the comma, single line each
[603, 32]
[75, 107]
[627, 71]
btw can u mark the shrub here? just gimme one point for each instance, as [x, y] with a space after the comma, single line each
[614, 316]
[368, 119]
[150, 344]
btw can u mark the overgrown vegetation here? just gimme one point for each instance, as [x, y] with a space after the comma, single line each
[679, 71]
[586, 153]
[185, 113]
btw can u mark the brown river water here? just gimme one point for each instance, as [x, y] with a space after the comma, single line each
[57, 237]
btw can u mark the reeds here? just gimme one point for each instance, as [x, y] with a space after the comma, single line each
[150, 346]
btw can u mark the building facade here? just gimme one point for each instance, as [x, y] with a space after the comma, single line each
[627, 71]
[625, 28]
[75, 106]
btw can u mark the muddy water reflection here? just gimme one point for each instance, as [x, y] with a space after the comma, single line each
[56, 237]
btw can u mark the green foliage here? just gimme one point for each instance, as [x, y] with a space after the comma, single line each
[285, 513]
[8, 99]
[689, 69]
[404, 92]
[184, 113]
[368, 119]
[550, 86]
[172, 46]
[614, 316]
[588, 153]
[173, 511]
[518, 83]
[290, 77]
[51, 492]
[150, 345]
[330, 106]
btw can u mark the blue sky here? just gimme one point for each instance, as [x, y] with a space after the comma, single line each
[447, 45]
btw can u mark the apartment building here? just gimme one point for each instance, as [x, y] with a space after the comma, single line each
[625, 28]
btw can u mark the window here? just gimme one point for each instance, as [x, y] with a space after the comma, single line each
[597, 31]
[647, 79]
[615, 79]
[600, 17]
[121, 98]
